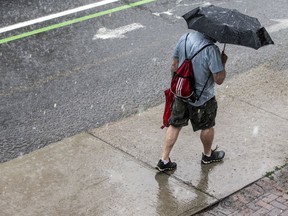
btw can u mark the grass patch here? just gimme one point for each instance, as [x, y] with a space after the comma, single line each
[277, 168]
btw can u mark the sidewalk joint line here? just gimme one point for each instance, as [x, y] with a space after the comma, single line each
[144, 164]
[193, 186]
[97, 183]
[258, 107]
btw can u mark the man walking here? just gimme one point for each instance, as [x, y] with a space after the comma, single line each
[209, 68]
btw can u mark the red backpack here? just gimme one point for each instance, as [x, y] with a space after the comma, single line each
[183, 83]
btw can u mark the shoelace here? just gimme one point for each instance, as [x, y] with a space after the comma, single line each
[214, 149]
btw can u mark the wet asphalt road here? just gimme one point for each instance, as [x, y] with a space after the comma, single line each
[61, 82]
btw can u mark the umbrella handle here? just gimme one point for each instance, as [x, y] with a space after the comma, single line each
[224, 48]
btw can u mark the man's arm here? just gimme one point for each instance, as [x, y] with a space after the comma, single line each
[220, 76]
[174, 66]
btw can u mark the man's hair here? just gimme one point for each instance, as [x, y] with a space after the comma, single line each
[210, 38]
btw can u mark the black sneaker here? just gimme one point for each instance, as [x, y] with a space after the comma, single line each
[164, 167]
[216, 156]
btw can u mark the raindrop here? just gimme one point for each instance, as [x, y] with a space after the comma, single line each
[156, 14]
[155, 62]
[123, 107]
[55, 105]
[168, 13]
[255, 131]
[141, 109]
[206, 4]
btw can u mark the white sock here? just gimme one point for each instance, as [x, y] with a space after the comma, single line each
[165, 161]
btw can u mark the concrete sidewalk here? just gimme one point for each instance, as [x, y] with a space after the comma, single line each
[110, 170]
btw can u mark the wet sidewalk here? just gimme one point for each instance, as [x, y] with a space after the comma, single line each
[110, 170]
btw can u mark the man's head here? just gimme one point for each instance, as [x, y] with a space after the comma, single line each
[210, 38]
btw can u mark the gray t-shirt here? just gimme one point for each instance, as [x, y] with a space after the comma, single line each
[206, 62]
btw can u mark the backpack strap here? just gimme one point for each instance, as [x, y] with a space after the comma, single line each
[191, 60]
[203, 88]
[198, 50]
[198, 98]
[185, 46]
[209, 74]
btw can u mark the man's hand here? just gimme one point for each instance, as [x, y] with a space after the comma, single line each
[174, 66]
[220, 76]
[224, 58]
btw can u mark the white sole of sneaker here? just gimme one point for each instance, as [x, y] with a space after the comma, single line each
[166, 169]
[209, 162]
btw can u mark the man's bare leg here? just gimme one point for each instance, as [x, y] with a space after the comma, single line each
[169, 141]
[207, 137]
[210, 156]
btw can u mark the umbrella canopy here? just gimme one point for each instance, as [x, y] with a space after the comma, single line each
[228, 26]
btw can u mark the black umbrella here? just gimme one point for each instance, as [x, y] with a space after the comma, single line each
[228, 26]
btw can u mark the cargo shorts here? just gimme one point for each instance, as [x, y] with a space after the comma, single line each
[201, 117]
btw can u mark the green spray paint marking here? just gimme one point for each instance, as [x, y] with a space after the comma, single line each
[70, 22]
